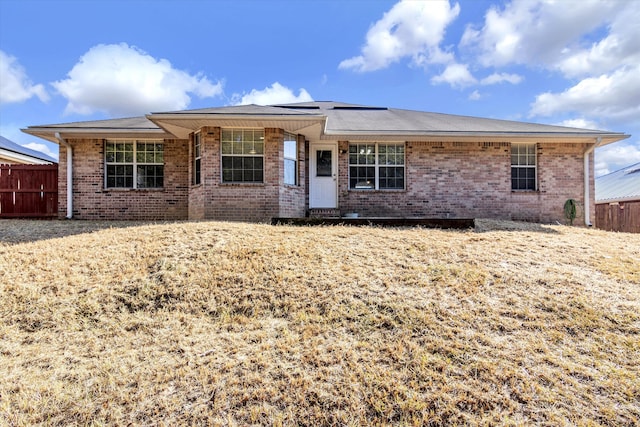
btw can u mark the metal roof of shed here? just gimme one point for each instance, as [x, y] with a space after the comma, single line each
[619, 186]
[8, 145]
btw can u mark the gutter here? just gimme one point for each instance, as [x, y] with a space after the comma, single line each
[587, 207]
[62, 141]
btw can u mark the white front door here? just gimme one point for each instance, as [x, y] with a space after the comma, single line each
[323, 179]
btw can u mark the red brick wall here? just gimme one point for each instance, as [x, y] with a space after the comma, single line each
[62, 181]
[249, 201]
[471, 180]
[196, 202]
[561, 177]
[92, 201]
[232, 202]
[448, 179]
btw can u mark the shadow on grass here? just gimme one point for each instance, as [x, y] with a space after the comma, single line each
[14, 231]
[483, 225]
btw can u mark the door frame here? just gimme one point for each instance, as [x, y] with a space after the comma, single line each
[333, 147]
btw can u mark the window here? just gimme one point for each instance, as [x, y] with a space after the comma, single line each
[324, 163]
[376, 166]
[197, 158]
[242, 155]
[134, 164]
[523, 167]
[290, 159]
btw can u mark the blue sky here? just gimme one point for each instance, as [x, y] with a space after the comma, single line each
[568, 62]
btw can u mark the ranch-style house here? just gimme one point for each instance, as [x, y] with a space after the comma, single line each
[256, 163]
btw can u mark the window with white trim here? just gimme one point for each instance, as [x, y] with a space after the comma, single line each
[197, 158]
[375, 166]
[290, 159]
[524, 171]
[242, 155]
[134, 164]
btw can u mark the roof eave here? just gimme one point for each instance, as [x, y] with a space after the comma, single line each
[437, 136]
[48, 133]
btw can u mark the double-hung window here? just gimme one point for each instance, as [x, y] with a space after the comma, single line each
[134, 164]
[197, 158]
[242, 155]
[376, 166]
[524, 167]
[290, 159]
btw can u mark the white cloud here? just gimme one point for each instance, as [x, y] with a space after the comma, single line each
[580, 124]
[410, 29]
[274, 94]
[613, 157]
[496, 78]
[595, 42]
[43, 148]
[619, 46]
[456, 75]
[475, 96]
[123, 80]
[538, 32]
[15, 85]
[614, 96]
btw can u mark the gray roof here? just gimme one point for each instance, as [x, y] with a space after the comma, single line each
[130, 127]
[619, 186]
[327, 120]
[350, 118]
[125, 123]
[16, 148]
[245, 110]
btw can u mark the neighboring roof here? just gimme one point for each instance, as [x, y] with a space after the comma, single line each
[619, 186]
[11, 151]
[330, 120]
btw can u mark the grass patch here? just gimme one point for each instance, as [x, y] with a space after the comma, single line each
[214, 323]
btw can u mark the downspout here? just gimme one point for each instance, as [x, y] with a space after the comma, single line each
[587, 207]
[62, 141]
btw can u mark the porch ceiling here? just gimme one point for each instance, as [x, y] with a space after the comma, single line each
[182, 126]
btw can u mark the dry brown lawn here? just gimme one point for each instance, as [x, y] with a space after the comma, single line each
[211, 323]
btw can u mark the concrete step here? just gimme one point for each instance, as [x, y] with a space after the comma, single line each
[324, 213]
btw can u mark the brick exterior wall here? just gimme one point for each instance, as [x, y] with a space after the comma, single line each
[92, 201]
[471, 180]
[293, 200]
[443, 180]
[258, 202]
[196, 202]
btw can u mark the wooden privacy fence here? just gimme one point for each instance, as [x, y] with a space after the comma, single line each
[28, 191]
[623, 216]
